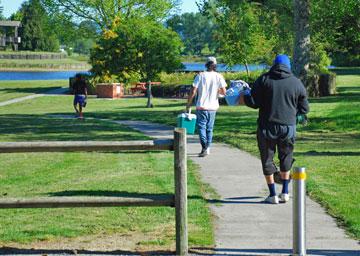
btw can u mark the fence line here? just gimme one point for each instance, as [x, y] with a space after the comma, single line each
[178, 200]
[76, 146]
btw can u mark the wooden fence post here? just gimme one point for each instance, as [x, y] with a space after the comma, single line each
[180, 167]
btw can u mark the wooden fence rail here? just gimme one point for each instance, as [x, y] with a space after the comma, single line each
[75, 146]
[178, 200]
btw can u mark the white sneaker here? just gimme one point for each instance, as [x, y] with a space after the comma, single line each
[204, 152]
[272, 200]
[284, 197]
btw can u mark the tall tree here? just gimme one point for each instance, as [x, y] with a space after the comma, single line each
[195, 30]
[103, 12]
[240, 33]
[301, 57]
[336, 25]
[35, 31]
[1, 11]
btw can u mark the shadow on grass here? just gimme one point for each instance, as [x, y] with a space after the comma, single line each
[115, 194]
[28, 89]
[31, 251]
[244, 122]
[16, 127]
[346, 71]
[327, 153]
[344, 97]
[173, 105]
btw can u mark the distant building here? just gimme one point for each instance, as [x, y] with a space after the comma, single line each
[15, 40]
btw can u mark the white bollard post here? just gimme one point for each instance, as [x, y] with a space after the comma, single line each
[299, 218]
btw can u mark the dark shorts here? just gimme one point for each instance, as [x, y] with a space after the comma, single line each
[280, 138]
[80, 99]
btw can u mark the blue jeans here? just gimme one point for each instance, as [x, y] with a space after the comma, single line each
[205, 120]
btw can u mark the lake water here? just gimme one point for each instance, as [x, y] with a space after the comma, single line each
[223, 67]
[51, 75]
[61, 75]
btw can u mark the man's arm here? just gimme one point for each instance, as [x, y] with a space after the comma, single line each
[252, 98]
[303, 103]
[191, 98]
[222, 91]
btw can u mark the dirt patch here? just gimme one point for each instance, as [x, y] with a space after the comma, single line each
[136, 243]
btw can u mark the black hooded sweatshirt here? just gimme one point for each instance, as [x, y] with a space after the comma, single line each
[279, 95]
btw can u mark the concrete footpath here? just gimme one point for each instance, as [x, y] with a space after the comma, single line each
[244, 224]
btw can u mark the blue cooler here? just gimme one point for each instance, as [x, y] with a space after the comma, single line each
[234, 93]
[188, 121]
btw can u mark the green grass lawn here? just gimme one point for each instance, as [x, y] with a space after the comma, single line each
[16, 89]
[327, 147]
[92, 174]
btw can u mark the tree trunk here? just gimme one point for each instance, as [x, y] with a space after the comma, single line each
[149, 96]
[301, 56]
[247, 69]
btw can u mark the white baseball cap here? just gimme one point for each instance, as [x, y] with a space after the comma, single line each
[211, 59]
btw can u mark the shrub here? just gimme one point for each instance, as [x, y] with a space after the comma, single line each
[171, 83]
[143, 52]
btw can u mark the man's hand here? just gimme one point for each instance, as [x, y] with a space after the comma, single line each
[301, 119]
[247, 92]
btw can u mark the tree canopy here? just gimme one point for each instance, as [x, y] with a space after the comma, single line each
[35, 32]
[1, 11]
[137, 49]
[240, 31]
[196, 32]
[334, 28]
[103, 12]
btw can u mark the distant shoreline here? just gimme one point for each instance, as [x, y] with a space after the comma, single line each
[41, 70]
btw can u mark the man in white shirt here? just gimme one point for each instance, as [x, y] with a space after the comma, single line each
[207, 85]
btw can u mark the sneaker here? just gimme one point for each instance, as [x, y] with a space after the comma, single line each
[208, 151]
[272, 200]
[284, 197]
[204, 152]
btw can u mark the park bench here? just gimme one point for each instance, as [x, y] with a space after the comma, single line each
[141, 87]
[184, 91]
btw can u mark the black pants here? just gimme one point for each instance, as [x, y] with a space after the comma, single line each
[268, 146]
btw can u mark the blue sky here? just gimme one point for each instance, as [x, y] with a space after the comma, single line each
[10, 6]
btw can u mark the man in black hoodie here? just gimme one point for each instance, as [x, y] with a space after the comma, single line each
[280, 97]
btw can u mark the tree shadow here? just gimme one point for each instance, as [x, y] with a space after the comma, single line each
[43, 127]
[344, 97]
[114, 193]
[28, 89]
[346, 71]
[327, 153]
[172, 105]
